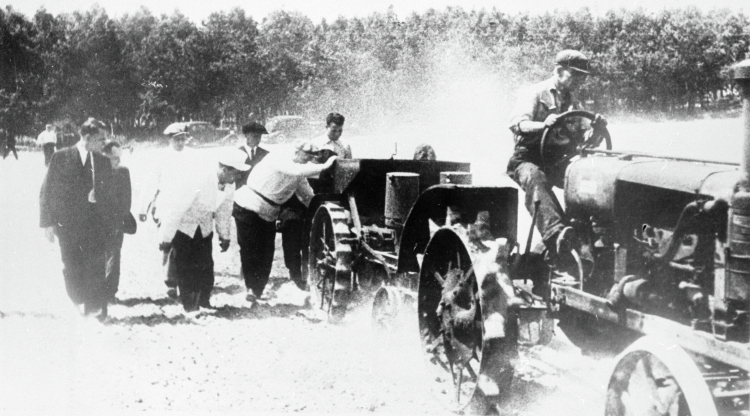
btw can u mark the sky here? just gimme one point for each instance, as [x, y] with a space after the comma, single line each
[198, 10]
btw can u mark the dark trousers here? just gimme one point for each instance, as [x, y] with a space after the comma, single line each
[191, 263]
[291, 242]
[49, 149]
[82, 250]
[538, 186]
[112, 275]
[256, 238]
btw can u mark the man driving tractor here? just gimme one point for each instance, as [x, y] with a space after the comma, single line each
[539, 163]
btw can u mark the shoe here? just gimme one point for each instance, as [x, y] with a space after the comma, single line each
[250, 297]
[301, 284]
[103, 315]
[172, 293]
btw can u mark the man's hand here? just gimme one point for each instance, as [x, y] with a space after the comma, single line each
[550, 120]
[165, 246]
[142, 217]
[224, 244]
[599, 122]
[49, 232]
[594, 136]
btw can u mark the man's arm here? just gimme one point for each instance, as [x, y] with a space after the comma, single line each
[223, 215]
[49, 198]
[522, 119]
[304, 192]
[307, 169]
[49, 194]
[150, 191]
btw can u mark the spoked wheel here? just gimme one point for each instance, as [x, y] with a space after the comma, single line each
[467, 371]
[657, 378]
[329, 261]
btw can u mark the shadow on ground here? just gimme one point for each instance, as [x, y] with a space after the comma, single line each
[177, 316]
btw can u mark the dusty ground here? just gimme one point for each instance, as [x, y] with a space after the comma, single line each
[150, 356]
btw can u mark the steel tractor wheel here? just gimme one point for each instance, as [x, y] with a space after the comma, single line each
[654, 377]
[470, 370]
[329, 261]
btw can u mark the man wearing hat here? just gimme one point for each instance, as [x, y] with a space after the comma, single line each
[187, 215]
[537, 108]
[165, 179]
[292, 211]
[252, 133]
[48, 140]
[258, 205]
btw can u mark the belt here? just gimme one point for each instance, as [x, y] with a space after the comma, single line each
[265, 198]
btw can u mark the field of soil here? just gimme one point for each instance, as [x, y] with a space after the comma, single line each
[277, 357]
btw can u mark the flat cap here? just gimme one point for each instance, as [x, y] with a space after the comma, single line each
[234, 158]
[176, 129]
[254, 127]
[574, 60]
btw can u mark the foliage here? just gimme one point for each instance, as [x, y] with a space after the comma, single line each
[141, 71]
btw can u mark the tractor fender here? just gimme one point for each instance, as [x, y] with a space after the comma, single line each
[501, 202]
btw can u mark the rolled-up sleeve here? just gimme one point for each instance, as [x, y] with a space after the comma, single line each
[524, 108]
[304, 192]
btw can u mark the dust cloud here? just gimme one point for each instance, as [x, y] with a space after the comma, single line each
[455, 103]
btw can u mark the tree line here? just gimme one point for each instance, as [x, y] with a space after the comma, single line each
[141, 71]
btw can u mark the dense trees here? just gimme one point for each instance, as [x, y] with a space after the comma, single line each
[142, 71]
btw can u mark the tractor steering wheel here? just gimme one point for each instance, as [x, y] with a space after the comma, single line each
[599, 132]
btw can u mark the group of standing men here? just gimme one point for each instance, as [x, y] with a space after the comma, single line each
[85, 203]
[270, 188]
[80, 203]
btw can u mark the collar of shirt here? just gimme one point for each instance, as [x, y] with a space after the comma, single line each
[549, 94]
[250, 150]
[82, 151]
[558, 99]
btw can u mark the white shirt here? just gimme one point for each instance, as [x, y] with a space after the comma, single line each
[84, 153]
[342, 149]
[188, 195]
[168, 171]
[47, 137]
[194, 203]
[277, 178]
[250, 150]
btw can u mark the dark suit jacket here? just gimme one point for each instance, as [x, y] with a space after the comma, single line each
[123, 195]
[260, 153]
[65, 190]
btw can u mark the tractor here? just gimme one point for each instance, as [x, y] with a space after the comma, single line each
[662, 264]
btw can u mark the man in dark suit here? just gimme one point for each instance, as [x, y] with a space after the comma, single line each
[252, 133]
[126, 223]
[77, 204]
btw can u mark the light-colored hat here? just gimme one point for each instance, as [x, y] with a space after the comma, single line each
[234, 158]
[176, 129]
